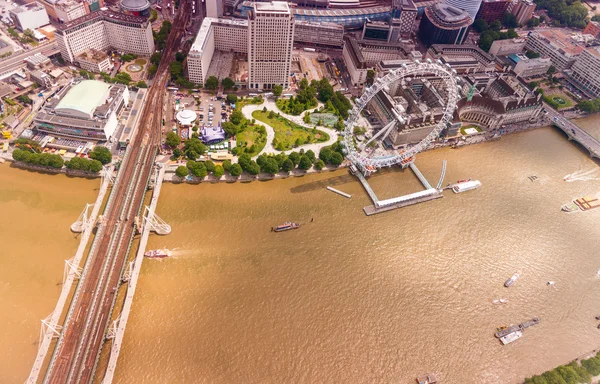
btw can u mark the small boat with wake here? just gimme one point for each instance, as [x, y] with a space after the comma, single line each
[158, 253]
[286, 227]
[570, 207]
[500, 301]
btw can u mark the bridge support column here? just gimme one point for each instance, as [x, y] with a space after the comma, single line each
[83, 220]
[155, 223]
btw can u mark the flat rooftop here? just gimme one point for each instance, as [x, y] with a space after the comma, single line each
[107, 15]
[561, 39]
[273, 6]
[207, 24]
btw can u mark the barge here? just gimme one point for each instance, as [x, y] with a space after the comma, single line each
[286, 227]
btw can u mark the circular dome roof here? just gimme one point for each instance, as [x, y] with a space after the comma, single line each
[186, 117]
[135, 5]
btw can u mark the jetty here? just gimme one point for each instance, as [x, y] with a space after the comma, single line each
[339, 192]
[517, 328]
[380, 206]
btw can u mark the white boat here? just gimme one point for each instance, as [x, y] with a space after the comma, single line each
[511, 337]
[466, 186]
[500, 301]
[512, 280]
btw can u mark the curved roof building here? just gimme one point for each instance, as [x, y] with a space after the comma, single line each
[82, 99]
[444, 24]
[470, 6]
[186, 117]
[136, 7]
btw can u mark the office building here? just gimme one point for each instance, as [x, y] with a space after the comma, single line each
[214, 8]
[104, 30]
[270, 40]
[585, 73]
[462, 58]
[556, 44]
[405, 21]
[527, 68]
[83, 110]
[29, 16]
[229, 35]
[503, 101]
[319, 34]
[95, 61]
[507, 46]
[492, 10]
[469, 6]
[444, 24]
[522, 9]
[69, 10]
[360, 56]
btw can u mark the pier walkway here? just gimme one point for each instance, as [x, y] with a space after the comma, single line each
[574, 132]
[118, 330]
[50, 326]
[419, 175]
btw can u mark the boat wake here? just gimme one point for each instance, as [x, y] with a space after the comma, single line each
[583, 175]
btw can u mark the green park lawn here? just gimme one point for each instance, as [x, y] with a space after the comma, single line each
[252, 140]
[288, 134]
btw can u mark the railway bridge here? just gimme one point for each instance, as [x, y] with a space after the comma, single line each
[85, 327]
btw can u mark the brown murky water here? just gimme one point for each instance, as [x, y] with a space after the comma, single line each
[346, 298]
[36, 212]
[356, 299]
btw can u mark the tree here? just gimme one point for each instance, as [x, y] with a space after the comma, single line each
[303, 84]
[277, 90]
[551, 70]
[325, 154]
[336, 159]
[128, 57]
[29, 33]
[181, 171]
[180, 56]
[236, 117]
[142, 84]
[152, 68]
[533, 22]
[227, 165]
[235, 170]
[509, 20]
[319, 164]
[270, 166]
[531, 54]
[155, 58]
[311, 156]
[253, 168]
[304, 163]
[153, 15]
[231, 98]
[102, 154]
[210, 166]
[25, 99]
[176, 69]
[94, 166]
[294, 157]
[370, 76]
[177, 153]
[227, 83]
[173, 140]
[193, 148]
[480, 25]
[594, 18]
[288, 165]
[219, 171]
[230, 128]
[197, 168]
[211, 83]
[496, 25]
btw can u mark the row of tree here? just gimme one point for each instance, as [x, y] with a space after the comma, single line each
[41, 159]
[81, 164]
[571, 373]
[200, 169]
[589, 106]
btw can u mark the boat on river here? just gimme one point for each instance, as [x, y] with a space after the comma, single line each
[500, 301]
[512, 280]
[466, 186]
[570, 207]
[511, 337]
[158, 253]
[286, 227]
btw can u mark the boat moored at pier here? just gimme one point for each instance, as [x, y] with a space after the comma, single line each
[466, 186]
[511, 337]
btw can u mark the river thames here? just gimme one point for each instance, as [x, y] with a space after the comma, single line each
[346, 298]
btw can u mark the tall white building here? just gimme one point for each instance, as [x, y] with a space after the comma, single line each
[586, 72]
[68, 10]
[270, 40]
[214, 8]
[103, 30]
[29, 16]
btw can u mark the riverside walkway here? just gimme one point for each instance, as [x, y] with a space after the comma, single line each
[574, 132]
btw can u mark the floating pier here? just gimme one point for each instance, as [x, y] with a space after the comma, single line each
[380, 206]
[339, 192]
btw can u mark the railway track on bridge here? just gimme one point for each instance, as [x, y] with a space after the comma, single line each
[83, 334]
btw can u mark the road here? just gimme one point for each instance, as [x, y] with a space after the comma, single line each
[84, 331]
[17, 60]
